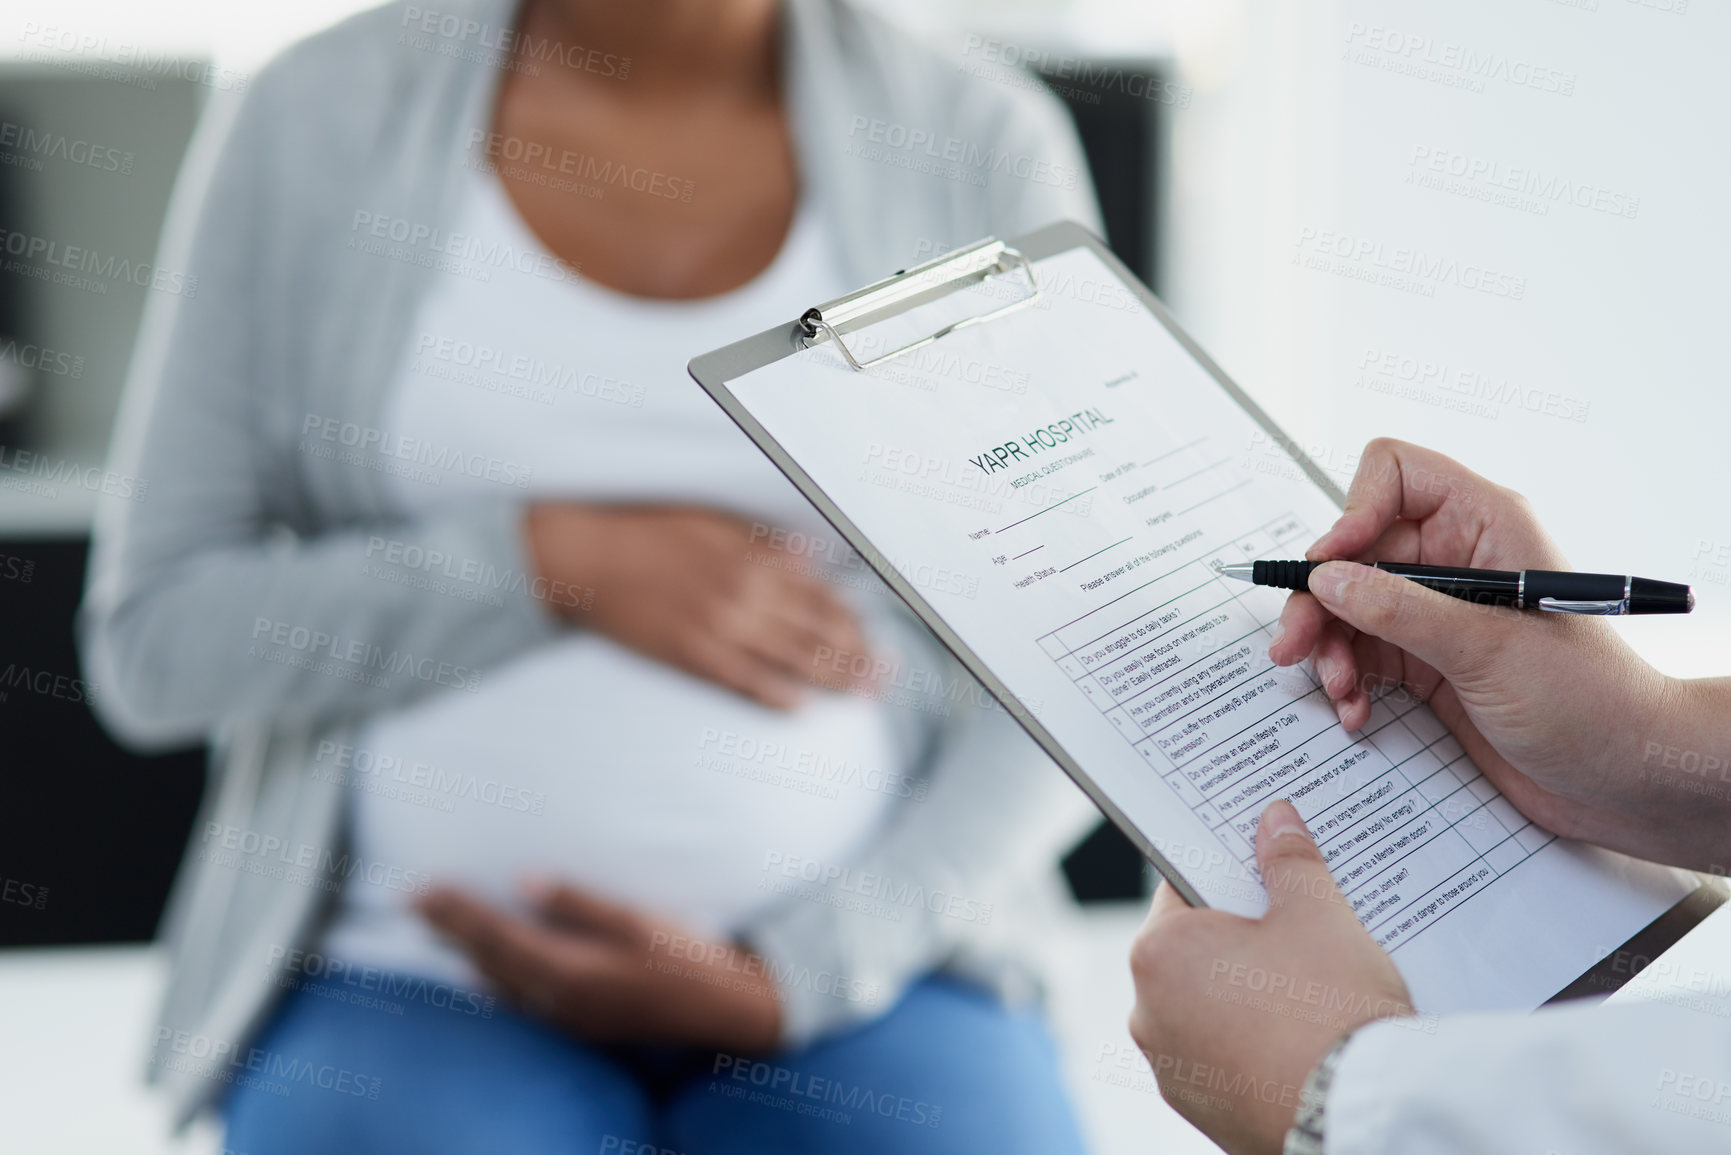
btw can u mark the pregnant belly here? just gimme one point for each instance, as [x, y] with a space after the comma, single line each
[586, 762]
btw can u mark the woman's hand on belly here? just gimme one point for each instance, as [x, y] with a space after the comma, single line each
[702, 591]
[609, 974]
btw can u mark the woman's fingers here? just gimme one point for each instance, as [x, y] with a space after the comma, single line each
[510, 951]
[731, 666]
[834, 625]
[771, 651]
[797, 626]
[579, 910]
[791, 647]
[805, 648]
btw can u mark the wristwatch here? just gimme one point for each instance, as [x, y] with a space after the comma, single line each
[1306, 1133]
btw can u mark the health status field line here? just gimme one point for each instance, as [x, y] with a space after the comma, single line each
[1092, 556]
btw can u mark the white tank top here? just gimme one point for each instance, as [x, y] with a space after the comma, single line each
[581, 760]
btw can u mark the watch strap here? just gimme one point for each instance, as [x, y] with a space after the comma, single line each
[1305, 1137]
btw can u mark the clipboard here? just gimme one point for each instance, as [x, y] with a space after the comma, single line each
[1011, 270]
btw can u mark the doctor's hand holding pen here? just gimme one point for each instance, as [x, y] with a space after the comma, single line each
[1556, 710]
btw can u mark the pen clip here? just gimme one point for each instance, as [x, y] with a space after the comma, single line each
[1559, 606]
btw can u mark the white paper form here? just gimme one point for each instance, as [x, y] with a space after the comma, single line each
[1060, 485]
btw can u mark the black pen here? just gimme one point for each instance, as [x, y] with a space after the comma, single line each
[1527, 589]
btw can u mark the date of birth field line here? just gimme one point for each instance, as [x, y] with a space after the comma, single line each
[1168, 485]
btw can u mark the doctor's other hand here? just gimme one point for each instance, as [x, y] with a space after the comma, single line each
[1232, 1013]
[1556, 709]
[609, 974]
[702, 591]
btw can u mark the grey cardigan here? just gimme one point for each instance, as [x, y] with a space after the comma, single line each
[234, 600]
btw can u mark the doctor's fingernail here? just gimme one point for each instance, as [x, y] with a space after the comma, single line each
[1327, 582]
[1281, 817]
[1326, 669]
[1279, 633]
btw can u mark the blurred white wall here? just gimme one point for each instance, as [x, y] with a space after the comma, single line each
[1601, 391]
[1560, 321]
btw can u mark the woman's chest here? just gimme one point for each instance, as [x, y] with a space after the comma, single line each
[660, 201]
[552, 386]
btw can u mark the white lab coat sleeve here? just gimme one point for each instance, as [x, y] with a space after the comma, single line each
[1582, 1080]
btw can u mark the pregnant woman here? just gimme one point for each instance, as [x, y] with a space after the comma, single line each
[547, 812]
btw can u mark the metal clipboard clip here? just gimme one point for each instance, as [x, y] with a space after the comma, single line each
[916, 286]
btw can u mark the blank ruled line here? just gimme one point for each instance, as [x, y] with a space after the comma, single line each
[1049, 508]
[1036, 549]
[1198, 473]
[1110, 602]
[1095, 554]
[1216, 497]
[1171, 452]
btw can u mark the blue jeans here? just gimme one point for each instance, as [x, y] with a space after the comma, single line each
[948, 1070]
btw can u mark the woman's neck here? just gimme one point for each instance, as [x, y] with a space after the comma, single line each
[672, 44]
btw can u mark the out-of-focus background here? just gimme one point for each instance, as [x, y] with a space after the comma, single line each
[1495, 227]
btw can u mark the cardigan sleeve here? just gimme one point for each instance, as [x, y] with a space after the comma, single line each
[200, 608]
[942, 882]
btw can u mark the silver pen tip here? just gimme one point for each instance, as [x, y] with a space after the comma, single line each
[1244, 571]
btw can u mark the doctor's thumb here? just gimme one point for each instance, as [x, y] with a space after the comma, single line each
[1293, 870]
